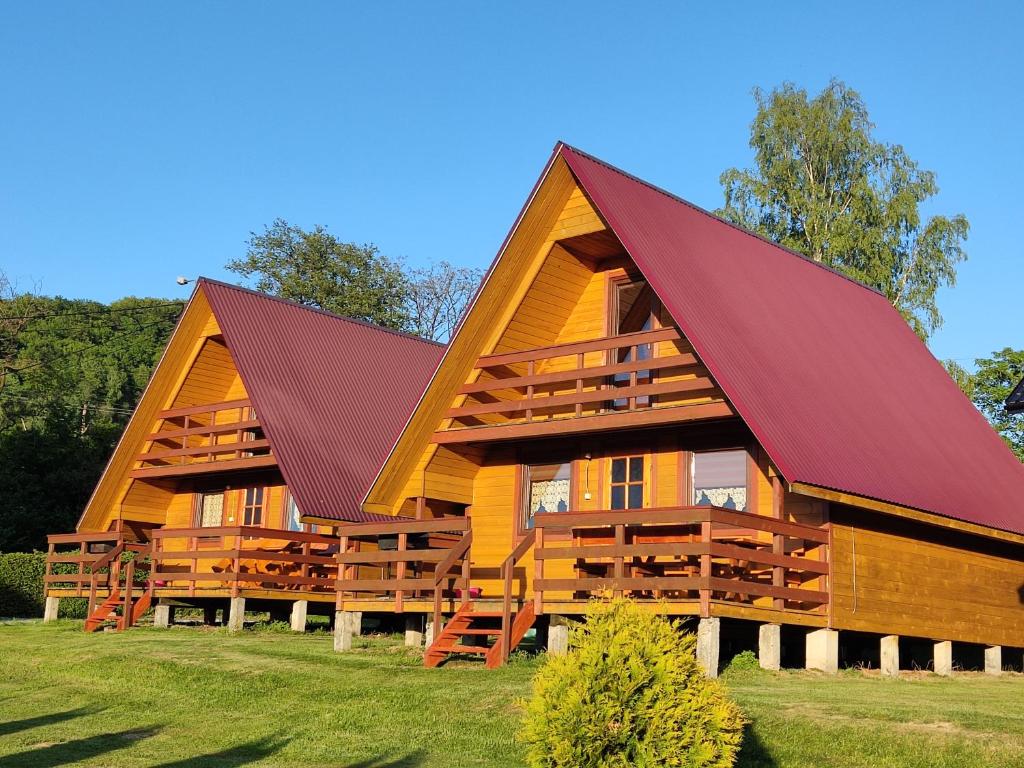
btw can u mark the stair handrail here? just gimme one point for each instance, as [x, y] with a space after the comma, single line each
[507, 573]
[441, 573]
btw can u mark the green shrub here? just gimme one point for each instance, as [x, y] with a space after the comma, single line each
[629, 693]
[744, 661]
[21, 584]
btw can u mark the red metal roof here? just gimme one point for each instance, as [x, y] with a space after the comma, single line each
[825, 373]
[332, 393]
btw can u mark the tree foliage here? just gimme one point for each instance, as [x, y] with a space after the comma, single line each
[629, 693]
[317, 269]
[822, 185]
[989, 386]
[74, 371]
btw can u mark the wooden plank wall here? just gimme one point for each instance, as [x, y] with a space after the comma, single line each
[921, 581]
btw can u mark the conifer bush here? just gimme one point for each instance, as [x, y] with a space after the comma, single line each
[629, 693]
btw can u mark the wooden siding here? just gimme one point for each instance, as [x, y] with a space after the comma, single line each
[900, 577]
[212, 378]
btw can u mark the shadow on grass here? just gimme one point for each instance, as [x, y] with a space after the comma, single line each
[412, 760]
[243, 754]
[14, 726]
[753, 753]
[77, 750]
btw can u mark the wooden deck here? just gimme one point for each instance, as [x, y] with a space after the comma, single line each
[699, 561]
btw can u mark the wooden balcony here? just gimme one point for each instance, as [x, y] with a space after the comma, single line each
[218, 437]
[701, 556]
[631, 380]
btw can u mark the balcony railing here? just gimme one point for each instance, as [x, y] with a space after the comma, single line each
[634, 379]
[416, 559]
[243, 558]
[92, 564]
[205, 438]
[699, 554]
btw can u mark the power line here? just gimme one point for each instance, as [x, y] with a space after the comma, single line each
[105, 310]
[92, 406]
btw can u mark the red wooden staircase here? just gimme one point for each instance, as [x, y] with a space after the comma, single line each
[129, 598]
[480, 633]
[492, 635]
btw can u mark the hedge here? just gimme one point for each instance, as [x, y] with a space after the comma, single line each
[21, 588]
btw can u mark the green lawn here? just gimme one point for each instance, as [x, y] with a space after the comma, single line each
[207, 699]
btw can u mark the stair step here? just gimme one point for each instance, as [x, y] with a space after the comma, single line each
[485, 615]
[479, 649]
[478, 631]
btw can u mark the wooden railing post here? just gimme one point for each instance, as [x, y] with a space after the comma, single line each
[83, 551]
[403, 545]
[579, 381]
[538, 572]
[530, 369]
[129, 585]
[778, 540]
[619, 560]
[236, 563]
[706, 536]
[508, 573]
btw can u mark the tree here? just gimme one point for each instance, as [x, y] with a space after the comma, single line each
[822, 185]
[75, 370]
[317, 269]
[438, 296]
[989, 386]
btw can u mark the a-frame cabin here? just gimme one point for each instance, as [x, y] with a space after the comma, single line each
[259, 412]
[641, 400]
[645, 400]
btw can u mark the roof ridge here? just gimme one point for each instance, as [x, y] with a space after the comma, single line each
[711, 215]
[319, 311]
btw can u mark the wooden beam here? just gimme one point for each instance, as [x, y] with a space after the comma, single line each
[595, 423]
[205, 467]
[930, 518]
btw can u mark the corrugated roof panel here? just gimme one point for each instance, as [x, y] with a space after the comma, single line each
[826, 374]
[332, 393]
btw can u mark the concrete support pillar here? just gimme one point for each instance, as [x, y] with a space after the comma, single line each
[769, 647]
[889, 654]
[823, 651]
[431, 633]
[558, 636]
[942, 658]
[236, 614]
[298, 617]
[708, 645]
[163, 616]
[994, 660]
[51, 609]
[414, 630]
[343, 630]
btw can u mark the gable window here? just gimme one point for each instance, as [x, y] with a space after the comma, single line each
[720, 479]
[210, 510]
[634, 309]
[252, 510]
[547, 488]
[627, 482]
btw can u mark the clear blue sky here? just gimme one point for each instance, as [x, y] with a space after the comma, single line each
[140, 141]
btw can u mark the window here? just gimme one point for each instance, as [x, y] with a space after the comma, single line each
[252, 511]
[210, 510]
[548, 488]
[292, 516]
[627, 482]
[720, 479]
[633, 311]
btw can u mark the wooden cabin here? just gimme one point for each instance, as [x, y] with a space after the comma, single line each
[644, 400]
[259, 411]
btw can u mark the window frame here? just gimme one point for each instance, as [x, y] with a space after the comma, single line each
[690, 489]
[257, 507]
[627, 483]
[523, 480]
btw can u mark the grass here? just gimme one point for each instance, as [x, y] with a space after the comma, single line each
[203, 698]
